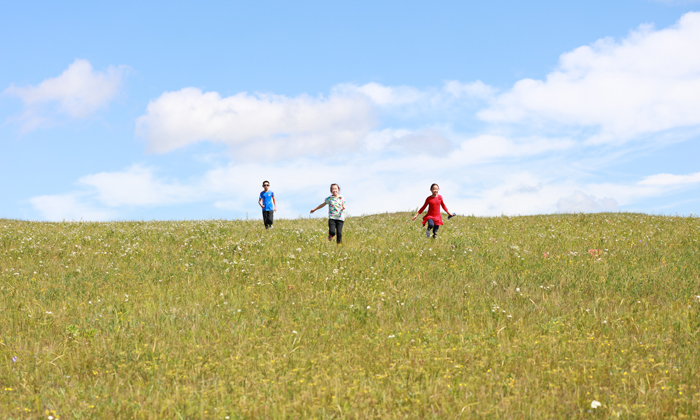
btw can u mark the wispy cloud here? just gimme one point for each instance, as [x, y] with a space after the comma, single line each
[71, 206]
[77, 93]
[672, 180]
[579, 202]
[137, 186]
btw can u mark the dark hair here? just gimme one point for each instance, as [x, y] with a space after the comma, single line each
[266, 182]
[336, 186]
[431, 187]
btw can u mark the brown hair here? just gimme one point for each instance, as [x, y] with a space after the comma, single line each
[336, 186]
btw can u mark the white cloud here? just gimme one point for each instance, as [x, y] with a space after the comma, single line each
[579, 202]
[281, 127]
[383, 95]
[646, 83]
[490, 148]
[275, 126]
[69, 207]
[78, 92]
[477, 90]
[137, 186]
[671, 180]
[377, 184]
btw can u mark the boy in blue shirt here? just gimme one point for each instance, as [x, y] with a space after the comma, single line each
[268, 204]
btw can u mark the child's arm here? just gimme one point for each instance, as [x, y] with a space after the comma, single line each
[442, 203]
[274, 202]
[318, 207]
[421, 209]
[260, 203]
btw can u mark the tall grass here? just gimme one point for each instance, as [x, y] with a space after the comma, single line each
[508, 317]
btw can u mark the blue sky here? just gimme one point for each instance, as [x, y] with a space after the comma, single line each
[170, 110]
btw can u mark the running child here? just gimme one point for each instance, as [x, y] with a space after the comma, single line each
[433, 218]
[336, 217]
[268, 203]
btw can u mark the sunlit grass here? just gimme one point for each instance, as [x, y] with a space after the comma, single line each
[509, 317]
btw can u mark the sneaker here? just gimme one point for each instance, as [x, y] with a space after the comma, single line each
[434, 236]
[449, 216]
[330, 237]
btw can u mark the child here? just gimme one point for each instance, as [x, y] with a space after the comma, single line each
[336, 206]
[268, 203]
[434, 218]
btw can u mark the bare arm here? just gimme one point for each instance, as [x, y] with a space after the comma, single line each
[318, 207]
[260, 203]
[274, 202]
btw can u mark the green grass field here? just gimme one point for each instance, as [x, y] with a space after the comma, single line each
[509, 317]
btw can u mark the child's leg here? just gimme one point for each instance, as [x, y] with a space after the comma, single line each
[267, 218]
[339, 228]
[435, 229]
[431, 225]
[331, 229]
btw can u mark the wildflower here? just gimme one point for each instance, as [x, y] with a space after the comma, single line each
[14, 359]
[545, 254]
[595, 404]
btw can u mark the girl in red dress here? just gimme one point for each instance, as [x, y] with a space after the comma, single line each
[433, 218]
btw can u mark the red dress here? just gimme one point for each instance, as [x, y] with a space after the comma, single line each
[433, 204]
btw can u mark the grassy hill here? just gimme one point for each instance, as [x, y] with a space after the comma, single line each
[508, 317]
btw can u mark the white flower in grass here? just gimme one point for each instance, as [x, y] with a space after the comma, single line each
[595, 404]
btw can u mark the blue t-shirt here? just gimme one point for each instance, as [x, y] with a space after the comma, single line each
[267, 200]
